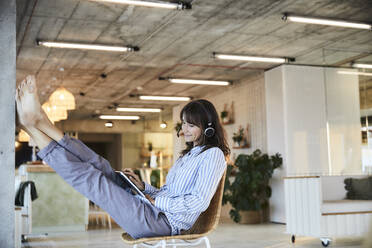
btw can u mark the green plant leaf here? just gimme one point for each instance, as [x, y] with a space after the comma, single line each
[248, 187]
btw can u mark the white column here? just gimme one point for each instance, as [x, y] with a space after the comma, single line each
[7, 113]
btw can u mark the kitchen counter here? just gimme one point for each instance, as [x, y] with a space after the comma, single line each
[58, 207]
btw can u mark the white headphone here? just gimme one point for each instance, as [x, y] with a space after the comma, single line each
[209, 131]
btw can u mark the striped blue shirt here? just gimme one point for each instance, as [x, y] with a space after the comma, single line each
[189, 187]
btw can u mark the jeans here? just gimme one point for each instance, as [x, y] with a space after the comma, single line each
[93, 177]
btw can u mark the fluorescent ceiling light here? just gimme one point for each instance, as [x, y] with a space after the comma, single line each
[154, 110]
[109, 124]
[165, 98]
[355, 73]
[364, 66]
[194, 81]
[118, 117]
[249, 58]
[329, 22]
[155, 4]
[86, 46]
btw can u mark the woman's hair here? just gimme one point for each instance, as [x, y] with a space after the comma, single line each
[200, 112]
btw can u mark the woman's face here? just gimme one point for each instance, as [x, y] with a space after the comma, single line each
[191, 132]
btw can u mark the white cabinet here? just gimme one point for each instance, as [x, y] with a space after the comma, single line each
[313, 120]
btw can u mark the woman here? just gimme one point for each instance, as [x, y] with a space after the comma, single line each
[190, 184]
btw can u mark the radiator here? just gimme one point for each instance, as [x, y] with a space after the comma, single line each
[302, 206]
[303, 201]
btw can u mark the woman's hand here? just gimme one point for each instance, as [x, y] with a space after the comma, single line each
[134, 178]
[150, 199]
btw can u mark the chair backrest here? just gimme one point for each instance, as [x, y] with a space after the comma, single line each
[208, 220]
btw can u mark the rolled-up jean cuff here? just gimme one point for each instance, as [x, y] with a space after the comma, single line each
[46, 150]
[64, 141]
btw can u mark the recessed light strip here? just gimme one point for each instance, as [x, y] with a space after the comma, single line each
[194, 81]
[355, 73]
[363, 66]
[249, 58]
[155, 4]
[330, 22]
[153, 110]
[165, 98]
[118, 117]
[86, 46]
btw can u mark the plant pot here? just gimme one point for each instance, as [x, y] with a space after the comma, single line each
[237, 144]
[250, 217]
[265, 214]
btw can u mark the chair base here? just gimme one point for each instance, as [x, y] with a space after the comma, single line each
[175, 243]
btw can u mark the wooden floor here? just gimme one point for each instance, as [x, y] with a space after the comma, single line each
[226, 235]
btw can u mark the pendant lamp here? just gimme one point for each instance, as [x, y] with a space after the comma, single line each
[54, 112]
[63, 98]
[23, 136]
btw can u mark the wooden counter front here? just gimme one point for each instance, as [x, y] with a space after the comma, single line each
[38, 168]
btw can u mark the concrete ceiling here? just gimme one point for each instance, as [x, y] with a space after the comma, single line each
[176, 44]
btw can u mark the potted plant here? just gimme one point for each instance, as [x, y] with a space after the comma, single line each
[238, 136]
[224, 116]
[250, 191]
[155, 178]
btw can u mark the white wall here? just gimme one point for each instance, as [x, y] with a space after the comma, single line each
[249, 102]
[249, 108]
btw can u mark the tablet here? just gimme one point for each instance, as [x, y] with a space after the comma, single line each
[131, 184]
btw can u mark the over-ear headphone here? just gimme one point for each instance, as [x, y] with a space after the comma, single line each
[209, 131]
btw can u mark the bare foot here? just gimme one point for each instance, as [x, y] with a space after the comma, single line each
[28, 105]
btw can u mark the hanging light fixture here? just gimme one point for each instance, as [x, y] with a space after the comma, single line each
[252, 58]
[165, 98]
[153, 110]
[109, 124]
[195, 81]
[361, 66]
[23, 136]
[162, 123]
[154, 4]
[98, 47]
[60, 112]
[17, 144]
[62, 98]
[323, 21]
[369, 74]
[54, 112]
[119, 117]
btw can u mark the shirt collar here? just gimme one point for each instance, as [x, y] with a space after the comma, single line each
[196, 149]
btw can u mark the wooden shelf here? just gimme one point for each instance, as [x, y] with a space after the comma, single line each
[241, 147]
[38, 168]
[149, 155]
[151, 169]
[228, 123]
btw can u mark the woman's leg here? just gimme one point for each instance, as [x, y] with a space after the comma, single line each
[40, 121]
[132, 214]
[139, 219]
[85, 154]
